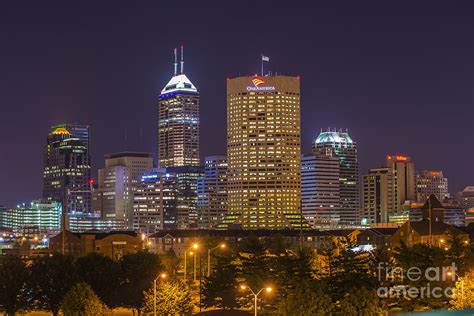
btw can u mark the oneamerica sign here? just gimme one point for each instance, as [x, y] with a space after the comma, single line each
[257, 83]
[270, 88]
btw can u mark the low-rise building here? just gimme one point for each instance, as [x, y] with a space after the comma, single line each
[112, 244]
[449, 211]
[38, 217]
[437, 234]
[377, 237]
[182, 240]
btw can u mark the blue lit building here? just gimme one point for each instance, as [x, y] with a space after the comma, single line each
[178, 121]
[341, 145]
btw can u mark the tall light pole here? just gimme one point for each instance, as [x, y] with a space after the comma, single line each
[195, 246]
[221, 246]
[462, 286]
[162, 276]
[255, 295]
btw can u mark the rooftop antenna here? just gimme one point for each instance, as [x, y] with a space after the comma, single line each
[175, 61]
[182, 59]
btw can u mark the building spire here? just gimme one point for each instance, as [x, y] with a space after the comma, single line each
[175, 61]
[182, 59]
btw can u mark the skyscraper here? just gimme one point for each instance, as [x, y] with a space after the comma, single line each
[66, 172]
[118, 182]
[320, 197]
[403, 171]
[80, 131]
[345, 149]
[431, 182]
[212, 192]
[387, 189]
[263, 152]
[379, 190]
[178, 121]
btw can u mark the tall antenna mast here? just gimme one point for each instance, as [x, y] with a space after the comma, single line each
[182, 59]
[175, 61]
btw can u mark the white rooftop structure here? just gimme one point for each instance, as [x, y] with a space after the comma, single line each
[179, 83]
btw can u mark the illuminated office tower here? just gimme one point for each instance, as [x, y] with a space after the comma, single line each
[387, 189]
[403, 171]
[345, 149]
[378, 193]
[82, 132]
[212, 192]
[155, 203]
[320, 198]
[66, 172]
[117, 183]
[431, 182]
[263, 152]
[178, 121]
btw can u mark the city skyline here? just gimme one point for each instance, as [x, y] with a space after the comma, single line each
[331, 96]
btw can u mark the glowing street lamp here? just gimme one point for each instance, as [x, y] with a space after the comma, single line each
[462, 285]
[162, 276]
[255, 295]
[221, 246]
[194, 246]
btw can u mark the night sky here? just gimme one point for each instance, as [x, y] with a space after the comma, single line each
[398, 74]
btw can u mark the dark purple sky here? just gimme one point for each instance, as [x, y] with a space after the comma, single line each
[398, 74]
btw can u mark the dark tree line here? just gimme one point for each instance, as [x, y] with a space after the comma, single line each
[44, 283]
[337, 281]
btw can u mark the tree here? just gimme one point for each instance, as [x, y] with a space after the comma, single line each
[464, 292]
[423, 257]
[13, 277]
[51, 278]
[172, 298]
[103, 276]
[458, 252]
[308, 299]
[220, 289]
[255, 268]
[170, 262]
[349, 271]
[138, 272]
[363, 302]
[82, 301]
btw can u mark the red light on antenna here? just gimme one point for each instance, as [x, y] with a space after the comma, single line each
[298, 77]
[91, 182]
[228, 78]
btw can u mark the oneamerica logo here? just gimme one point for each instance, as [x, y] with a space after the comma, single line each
[257, 86]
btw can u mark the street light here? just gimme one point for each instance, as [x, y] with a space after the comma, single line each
[221, 246]
[255, 295]
[162, 276]
[194, 246]
[462, 285]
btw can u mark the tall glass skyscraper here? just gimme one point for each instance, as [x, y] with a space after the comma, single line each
[344, 148]
[178, 122]
[66, 172]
